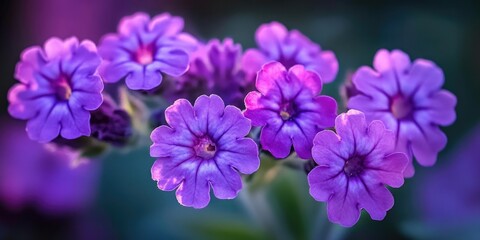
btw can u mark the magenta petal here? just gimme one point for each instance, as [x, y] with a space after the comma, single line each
[267, 77]
[269, 36]
[310, 79]
[252, 62]
[132, 24]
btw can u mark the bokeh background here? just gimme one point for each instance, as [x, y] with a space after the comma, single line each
[122, 202]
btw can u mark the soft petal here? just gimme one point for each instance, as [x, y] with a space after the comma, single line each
[269, 37]
[324, 182]
[276, 139]
[145, 78]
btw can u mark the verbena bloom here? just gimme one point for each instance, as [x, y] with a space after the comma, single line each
[58, 88]
[215, 68]
[204, 146]
[43, 177]
[289, 109]
[354, 166]
[276, 43]
[408, 98]
[143, 49]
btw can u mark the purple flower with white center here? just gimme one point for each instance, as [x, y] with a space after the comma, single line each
[204, 146]
[408, 98]
[290, 48]
[144, 49]
[215, 68]
[289, 109]
[354, 165]
[58, 88]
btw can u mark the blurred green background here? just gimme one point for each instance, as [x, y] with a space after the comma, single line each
[129, 206]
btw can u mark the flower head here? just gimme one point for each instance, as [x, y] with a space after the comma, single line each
[354, 165]
[215, 68]
[58, 88]
[143, 49]
[408, 98]
[204, 146]
[289, 109]
[290, 48]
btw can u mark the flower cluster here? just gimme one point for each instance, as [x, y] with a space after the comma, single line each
[395, 110]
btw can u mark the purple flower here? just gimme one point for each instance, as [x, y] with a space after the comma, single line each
[215, 68]
[408, 98]
[289, 109]
[354, 165]
[144, 49]
[276, 43]
[58, 88]
[54, 180]
[203, 146]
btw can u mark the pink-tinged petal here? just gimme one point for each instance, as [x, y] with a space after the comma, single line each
[309, 79]
[133, 23]
[56, 48]
[31, 60]
[241, 154]
[268, 76]
[269, 38]
[388, 169]
[83, 62]
[171, 61]
[260, 109]
[194, 191]
[324, 181]
[438, 109]
[252, 61]
[387, 78]
[351, 126]
[342, 206]
[22, 107]
[374, 198]
[326, 65]
[424, 79]
[114, 72]
[275, 139]
[166, 25]
[148, 77]
[325, 108]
